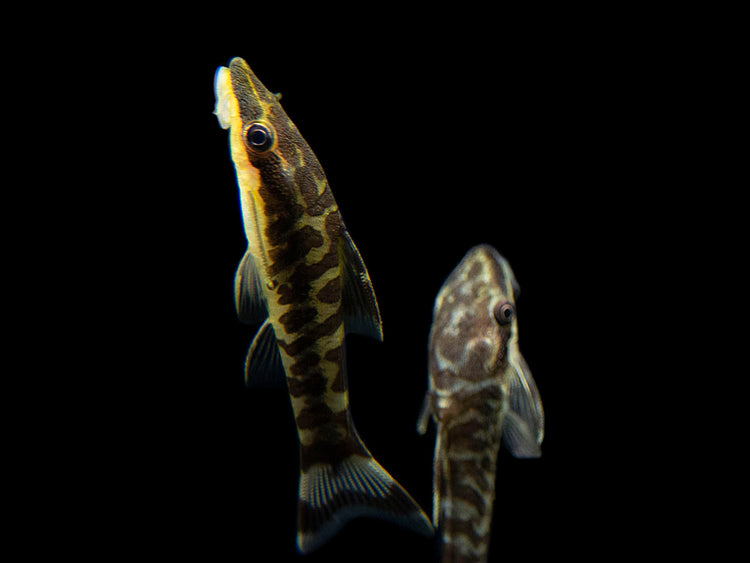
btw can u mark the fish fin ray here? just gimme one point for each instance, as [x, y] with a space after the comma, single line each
[263, 367]
[518, 438]
[439, 477]
[330, 496]
[425, 413]
[248, 292]
[361, 313]
[523, 425]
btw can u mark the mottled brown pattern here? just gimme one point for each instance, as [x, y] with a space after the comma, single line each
[331, 451]
[293, 247]
[311, 385]
[471, 496]
[307, 178]
[282, 209]
[467, 437]
[324, 202]
[338, 355]
[481, 469]
[451, 555]
[305, 273]
[330, 292]
[466, 529]
[309, 337]
[300, 215]
[314, 416]
[467, 362]
[296, 290]
[334, 226]
[305, 363]
[295, 319]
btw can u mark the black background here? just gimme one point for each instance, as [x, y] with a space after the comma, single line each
[549, 138]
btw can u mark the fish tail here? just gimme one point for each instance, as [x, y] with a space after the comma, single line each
[347, 485]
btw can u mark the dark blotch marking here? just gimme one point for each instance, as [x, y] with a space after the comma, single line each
[471, 496]
[325, 201]
[297, 288]
[482, 471]
[311, 385]
[475, 270]
[307, 178]
[279, 196]
[330, 292]
[463, 528]
[334, 226]
[336, 355]
[305, 364]
[314, 415]
[296, 245]
[309, 337]
[330, 452]
[466, 437]
[288, 295]
[334, 438]
[296, 318]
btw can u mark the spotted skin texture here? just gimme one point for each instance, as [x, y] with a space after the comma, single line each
[295, 277]
[475, 373]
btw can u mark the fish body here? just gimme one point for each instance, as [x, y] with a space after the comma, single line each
[480, 393]
[303, 280]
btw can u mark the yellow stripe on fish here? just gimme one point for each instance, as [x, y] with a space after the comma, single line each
[304, 281]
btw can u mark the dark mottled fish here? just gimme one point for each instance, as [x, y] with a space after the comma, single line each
[304, 280]
[480, 392]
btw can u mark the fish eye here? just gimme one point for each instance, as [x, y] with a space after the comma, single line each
[504, 313]
[258, 137]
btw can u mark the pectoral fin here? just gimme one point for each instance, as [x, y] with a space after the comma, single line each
[248, 292]
[523, 425]
[361, 314]
[424, 415]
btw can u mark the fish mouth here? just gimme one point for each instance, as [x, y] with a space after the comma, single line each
[224, 96]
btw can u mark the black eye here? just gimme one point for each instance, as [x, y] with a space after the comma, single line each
[259, 137]
[504, 313]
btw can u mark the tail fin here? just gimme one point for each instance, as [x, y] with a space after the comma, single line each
[331, 495]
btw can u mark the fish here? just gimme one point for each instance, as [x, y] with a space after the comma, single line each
[304, 282]
[481, 394]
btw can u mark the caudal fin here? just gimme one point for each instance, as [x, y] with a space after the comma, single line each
[330, 496]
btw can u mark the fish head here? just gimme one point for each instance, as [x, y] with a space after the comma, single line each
[474, 320]
[263, 139]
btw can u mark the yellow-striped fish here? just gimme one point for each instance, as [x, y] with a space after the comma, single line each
[304, 280]
[480, 391]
